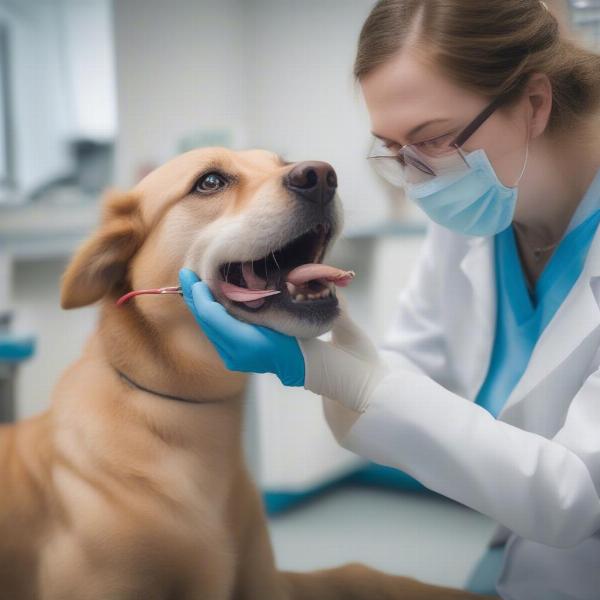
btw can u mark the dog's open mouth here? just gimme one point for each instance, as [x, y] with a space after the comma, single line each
[292, 274]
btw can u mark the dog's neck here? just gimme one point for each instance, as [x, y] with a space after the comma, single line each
[180, 364]
[141, 388]
[169, 357]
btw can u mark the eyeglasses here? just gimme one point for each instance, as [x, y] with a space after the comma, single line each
[420, 162]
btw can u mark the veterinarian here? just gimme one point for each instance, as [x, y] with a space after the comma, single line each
[487, 387]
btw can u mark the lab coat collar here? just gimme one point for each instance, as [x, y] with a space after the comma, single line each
[577, 317]
[477, 266]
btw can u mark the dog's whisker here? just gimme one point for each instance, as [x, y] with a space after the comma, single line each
[275, 259]
[227, 272]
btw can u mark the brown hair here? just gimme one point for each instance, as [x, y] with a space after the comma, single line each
[489, 47]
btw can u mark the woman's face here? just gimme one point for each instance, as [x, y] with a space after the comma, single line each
[409, 102]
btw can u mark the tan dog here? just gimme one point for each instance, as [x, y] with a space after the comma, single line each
[133, 484]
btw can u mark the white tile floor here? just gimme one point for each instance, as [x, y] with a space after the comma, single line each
[421, 536]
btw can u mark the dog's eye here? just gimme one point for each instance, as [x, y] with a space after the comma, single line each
[211, 182]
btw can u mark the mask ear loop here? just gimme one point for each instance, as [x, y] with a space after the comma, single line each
[526, 158]
[524, 165]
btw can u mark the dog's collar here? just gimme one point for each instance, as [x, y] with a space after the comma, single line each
[159, 394]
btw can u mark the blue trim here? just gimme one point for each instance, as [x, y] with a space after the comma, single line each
[16, 349]
[487, 571]
[387, 477]
[278, 502]
[372, 475]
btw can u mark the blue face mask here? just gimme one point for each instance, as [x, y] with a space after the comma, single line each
[474, 203]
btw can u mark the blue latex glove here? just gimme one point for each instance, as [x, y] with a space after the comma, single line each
[242, 346]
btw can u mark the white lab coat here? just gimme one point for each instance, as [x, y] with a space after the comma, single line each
[536, 468]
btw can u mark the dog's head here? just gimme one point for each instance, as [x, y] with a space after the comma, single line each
[245, 218]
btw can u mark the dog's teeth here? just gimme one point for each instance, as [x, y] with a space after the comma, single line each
[324, 293]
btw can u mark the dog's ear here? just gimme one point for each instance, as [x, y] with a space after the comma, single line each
[101, 262]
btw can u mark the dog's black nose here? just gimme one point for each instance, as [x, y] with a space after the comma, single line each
[313, 180]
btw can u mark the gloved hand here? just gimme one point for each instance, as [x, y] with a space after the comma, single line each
[346, 369]
[242, 346]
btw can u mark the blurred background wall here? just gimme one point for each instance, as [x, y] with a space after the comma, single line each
[180, 73]
[267, 74]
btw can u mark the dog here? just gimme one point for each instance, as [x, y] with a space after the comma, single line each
[133, 486]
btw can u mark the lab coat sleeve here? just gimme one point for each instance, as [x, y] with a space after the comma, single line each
[545, 490]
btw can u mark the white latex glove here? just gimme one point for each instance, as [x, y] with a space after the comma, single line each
[345, 371]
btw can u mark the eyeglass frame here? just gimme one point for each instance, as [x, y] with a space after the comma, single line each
[463, 136]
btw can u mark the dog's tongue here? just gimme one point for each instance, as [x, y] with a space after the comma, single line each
[257, 290]
[308, 272]
[240, 294]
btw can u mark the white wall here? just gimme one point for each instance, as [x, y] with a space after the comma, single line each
[179, 70]
[60, 334]
[278, 72]
[302, 100]
[86, 28]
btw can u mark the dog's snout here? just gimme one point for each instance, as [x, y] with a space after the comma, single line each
[313, 180]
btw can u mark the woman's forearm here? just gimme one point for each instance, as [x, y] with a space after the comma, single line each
[536, 487]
